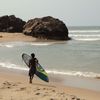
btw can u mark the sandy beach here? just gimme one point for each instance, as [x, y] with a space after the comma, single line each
[15, 85]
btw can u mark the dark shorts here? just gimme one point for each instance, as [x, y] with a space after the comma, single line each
[32, 71]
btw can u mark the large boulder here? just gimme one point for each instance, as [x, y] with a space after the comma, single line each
[47, 28]
[11, 24]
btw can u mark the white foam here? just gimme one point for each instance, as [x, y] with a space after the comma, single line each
[85, 37]
[46, 43]
[84, 31]
[11, 66]
[9, 46]
[41, 44]
[76, 73]
[13, 44]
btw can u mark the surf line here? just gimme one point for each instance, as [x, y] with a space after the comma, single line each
[12, 66]
[69, 73]
[75, 73]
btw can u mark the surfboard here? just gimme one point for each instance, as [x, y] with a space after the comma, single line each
[40, 72]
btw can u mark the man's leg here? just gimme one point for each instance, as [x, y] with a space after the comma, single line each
[30, 79]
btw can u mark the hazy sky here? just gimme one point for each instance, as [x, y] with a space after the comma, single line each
[72, 12]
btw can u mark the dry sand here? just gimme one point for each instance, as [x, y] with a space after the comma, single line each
[9, 37]
[15, 86]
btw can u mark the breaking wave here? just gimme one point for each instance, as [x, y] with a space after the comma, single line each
[70, 73]
[85, 37]
[76, 73]
[84, 31]
[11, 66]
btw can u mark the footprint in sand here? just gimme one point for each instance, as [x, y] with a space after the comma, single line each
[21, 89]
[37, 93]
[8, 85]
[1, 97]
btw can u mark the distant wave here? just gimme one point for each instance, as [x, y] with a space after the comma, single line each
[84, 31]
[70, 73]
[13, 44]
[76, 73]
[85, 37]
[6, 45]
[88, 39]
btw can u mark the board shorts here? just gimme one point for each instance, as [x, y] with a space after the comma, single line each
[32, 71]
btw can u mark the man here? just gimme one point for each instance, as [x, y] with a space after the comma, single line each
[32, 65]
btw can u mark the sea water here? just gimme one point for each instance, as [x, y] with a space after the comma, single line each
[77, 57]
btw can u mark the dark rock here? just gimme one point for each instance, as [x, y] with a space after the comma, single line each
[11, 24]
[46, 28]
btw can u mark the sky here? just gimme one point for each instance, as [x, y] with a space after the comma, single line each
[71, 12]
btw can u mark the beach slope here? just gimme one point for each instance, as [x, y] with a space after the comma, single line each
[14, 86]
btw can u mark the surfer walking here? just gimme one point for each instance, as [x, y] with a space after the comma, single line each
[32, 67]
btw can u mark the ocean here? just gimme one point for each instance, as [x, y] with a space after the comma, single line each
[77, 58]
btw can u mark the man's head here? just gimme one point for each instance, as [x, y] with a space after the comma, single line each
[33, 55]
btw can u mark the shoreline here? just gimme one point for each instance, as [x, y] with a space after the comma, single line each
[89, 83]
[17, 86]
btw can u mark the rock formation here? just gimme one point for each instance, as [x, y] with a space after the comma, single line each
[46, 28]
[11, 24]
